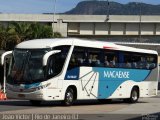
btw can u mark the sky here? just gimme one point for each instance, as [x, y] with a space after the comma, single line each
[47, 6]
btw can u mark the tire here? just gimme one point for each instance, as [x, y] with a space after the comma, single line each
[35, 102]
[134, 96]
[69, 97]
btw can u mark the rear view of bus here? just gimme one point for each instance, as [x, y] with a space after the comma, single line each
[73, 69]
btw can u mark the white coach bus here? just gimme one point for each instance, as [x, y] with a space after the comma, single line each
[73, 69]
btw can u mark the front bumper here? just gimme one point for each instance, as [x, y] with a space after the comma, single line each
[44, 95]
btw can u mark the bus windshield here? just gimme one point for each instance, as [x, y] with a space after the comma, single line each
[26, 66]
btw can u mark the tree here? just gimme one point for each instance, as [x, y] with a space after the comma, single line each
[21, 30]
[17, 32]
[40, 31]
[6, 36]
[57, 35]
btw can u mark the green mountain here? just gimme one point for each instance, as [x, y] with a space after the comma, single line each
[114, 8]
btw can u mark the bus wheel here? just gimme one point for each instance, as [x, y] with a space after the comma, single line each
[69, 97]
[134, 96]
[35, 102]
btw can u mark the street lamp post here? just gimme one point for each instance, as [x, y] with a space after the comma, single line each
[140, 20]
[107, 10]
[54, 15]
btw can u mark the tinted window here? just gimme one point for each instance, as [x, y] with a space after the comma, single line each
[78, 58]
[56, 61]
[139, 61]
[110, 59]
[93, 57]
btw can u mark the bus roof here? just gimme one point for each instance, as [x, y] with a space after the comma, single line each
[50, 43]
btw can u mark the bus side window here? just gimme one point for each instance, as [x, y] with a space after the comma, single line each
[134, 63]
[110, 59]
[86, 61]
[94, 57]
[142, 62]
[139, 61]
[106, 62]
[77, 58]
[73, 62]
[80, 61]
[50, 67]
[113, 62]
[55, 65]
[127, 60]
[56, 61]
[151, 62]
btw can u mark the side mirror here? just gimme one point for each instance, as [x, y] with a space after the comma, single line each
[47, 55]
[4, 55]
[4, 64]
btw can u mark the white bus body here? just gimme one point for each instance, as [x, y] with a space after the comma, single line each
[97, 70]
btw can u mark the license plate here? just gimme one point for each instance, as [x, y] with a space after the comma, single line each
[21, 95]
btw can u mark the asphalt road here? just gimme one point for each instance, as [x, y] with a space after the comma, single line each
[85, 110]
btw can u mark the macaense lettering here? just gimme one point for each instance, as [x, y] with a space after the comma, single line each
[116, 74]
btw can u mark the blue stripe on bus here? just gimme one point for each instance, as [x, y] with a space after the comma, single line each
[72, 74]
[111, 78]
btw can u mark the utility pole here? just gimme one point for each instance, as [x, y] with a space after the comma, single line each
[108, 7]
[140, 20]
[107, 17]
[54, 15]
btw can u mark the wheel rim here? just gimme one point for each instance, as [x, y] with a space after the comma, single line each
[69, 97]
[134, 95]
